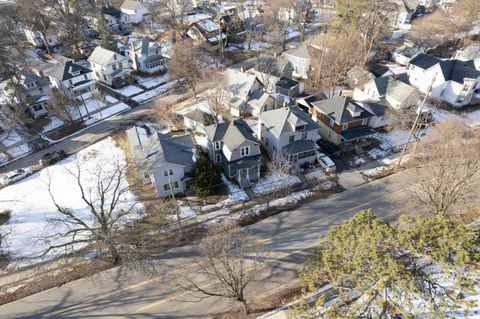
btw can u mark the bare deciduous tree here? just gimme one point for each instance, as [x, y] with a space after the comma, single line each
[62, 105]
[333, 55]
[447, 167]
[278, 170]
[105, 193]
[186, 65]
[227, 261]
[176, 11]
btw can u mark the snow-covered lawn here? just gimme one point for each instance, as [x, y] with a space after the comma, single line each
[129, 90]
[155, 92]
[117, 108]
[110, 99]
[31, 205]
[151, 82]
[392, 140]
[281, 202]
[315, 175]
[235, 196]
[186, 211]
[54, 123]
[92, 105]
[275, 182]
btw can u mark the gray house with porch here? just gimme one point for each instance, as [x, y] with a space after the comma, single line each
[233, 146]
[289, 132]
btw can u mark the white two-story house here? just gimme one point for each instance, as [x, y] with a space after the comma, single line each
[110, 68]
[289, 132]
[72, 77]
[146, 56]
[42, 33]
[453, 81]
[135, 9]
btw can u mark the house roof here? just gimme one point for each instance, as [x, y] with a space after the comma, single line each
[355, 133]
[407, 51]
[66, 70]
[200, 117]
[471, 52]
[340, 109]
[424, 61]
[301, 51]
[272, 65]
[130, 5]
[377, 69]
[208, 25]
[390, 83]
[259, 99]
[102, 56]
[238, 83]
[111, 11]
[232, 134]
[359, 76]
[457, 71]
[285, 83]
[285, 119]
[376, 108]
[300, 146]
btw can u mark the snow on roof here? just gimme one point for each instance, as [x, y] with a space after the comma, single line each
[208, 25]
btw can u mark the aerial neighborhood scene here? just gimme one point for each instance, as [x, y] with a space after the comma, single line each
[270, 159]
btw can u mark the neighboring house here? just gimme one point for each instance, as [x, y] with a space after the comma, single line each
[381, 116]
[197, 120]
[269, 70]
[165, 161]
[342, 120]
[233, 146]
[42, 32]
[289, 132]
[396, 90]
[358, 77]
[404, 54]
[135, 9]
[238, 89]
[31, 93]
[72, 77]
[471, 52]
[260, 102]
[288, 87]
[116, 20]
[110, 67]
[207, 33]
[453, 81]
[146, 56]
[300, 59]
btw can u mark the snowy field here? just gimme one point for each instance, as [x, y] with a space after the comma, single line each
[31, 206]
[129, 90]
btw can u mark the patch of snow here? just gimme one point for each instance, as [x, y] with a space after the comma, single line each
[236, 196]
[87, 108]
[275, 182]
[115, 109]
[110, 99]
[129, 90]
[317, 174]
[31, 204]
[290, 199]
[151, 82]
[473, 119]
[155, 92]
[186, 211]
[201, 140]
[54, 123]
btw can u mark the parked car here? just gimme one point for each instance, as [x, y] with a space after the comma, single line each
[15, 175]
[52, 158]
[326, 162]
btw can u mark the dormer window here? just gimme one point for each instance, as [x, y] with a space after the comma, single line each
[115, 57]
[217, 145]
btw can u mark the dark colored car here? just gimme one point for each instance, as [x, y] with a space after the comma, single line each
[52, 158]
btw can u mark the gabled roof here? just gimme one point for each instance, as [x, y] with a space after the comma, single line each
[376, 108]
[272, 65]
[130, 5]
[238, 83]
[66, 70]
[200, 117]
[232, 134]
[285, 83]
[424, 61]
[457, 71]
[390, 83]
[103, 56]
[340, 109]
[301, 51]
[285, 119]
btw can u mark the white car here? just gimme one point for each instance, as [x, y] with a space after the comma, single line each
[15, 175]
[326, 162]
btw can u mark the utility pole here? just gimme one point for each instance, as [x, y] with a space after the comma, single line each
[176, 210]
[415, 123]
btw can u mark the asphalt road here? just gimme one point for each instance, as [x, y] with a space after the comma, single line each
[287, 237]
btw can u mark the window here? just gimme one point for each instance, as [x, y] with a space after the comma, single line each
[300, 128]
[217, 145]
[291, 138]
[114, 56]
[97, 75]
[40, 90]
[85, 76]
[176, 185]
[332, 123]
[245, 151]
[70, 82]
[165, 173]
[37, 107]
[364, 121]
[218, 158]
[166, 187]
[344, 127]
[466, 87]
[170, 171]
[105, 77]
[114, 67]
[304, 136]
[120, 65]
